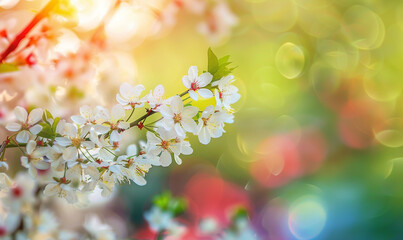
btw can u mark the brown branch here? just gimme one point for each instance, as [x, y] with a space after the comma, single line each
[149, 113]
[38, 17]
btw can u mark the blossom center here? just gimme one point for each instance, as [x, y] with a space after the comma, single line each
[25, 126]
[177, 118]
[3, 231]
[165, 144]
[220, 95]
[205, 121]
[76, 142]
[194, 86]
[16, 191]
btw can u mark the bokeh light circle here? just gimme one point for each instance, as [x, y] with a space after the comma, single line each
[384, 85]
[307, 218]
[363, 27]
[337, 55]
[392, 133]
[290, 60]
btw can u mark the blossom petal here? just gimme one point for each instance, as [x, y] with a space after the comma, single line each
[204, 79]
[13, 127]
[138, 89]
[32, 171]
[35, 115]
[151, 138]
[35, 129]
[31, 145]
[193, 73]
[139, 180]
[70, 154]
[123, 125]
[189, 125]
[21, 114]
[125, 89]
[166, 112]
[22, 137]
[78, 119]
[88, 144]
[159, 91]
[165, 158]
[204, 135]
[179, 130]
[24, 162]
[178, 160]
[176, 104]
[190, 111]
[115, 136]
[187, 150]
[62, 141]
[117, 113]
[51, 189]
[186, 82]
[205, 93]
[121, 100]
[101, 129]
[193, 95]
[42, 165]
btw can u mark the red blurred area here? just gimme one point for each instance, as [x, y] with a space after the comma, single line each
[357, 121]
[284, 157]
[208, 197]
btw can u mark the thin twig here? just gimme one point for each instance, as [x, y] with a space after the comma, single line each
[149, 113]
[38, 17]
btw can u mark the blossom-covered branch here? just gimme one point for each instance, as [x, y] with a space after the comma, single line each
[87, 153]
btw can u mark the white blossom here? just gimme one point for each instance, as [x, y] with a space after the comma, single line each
[98, 230]
[156, 98]
[129, 96]
[61, 190]
[34, 158]
[211, 124]
[195, 83]
[157, 219]
[117, 123]
[178, 117]
[73, 140]
[27, 123]
[226, 94]
[165, 145]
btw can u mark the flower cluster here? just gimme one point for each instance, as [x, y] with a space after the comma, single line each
[90, 152]
[164, 220]
[23, 215]
[66, 50]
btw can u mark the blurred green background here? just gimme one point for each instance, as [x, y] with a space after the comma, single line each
[318, 133]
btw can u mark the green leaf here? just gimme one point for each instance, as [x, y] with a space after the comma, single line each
[218, 67]
[8, 67]
[240, 212]
[178, 206]
[223, 60]
[47, 131]
[162, 200]
[48, 114]
[55, 122]
[212, 62]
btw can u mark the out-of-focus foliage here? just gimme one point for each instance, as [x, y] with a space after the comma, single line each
[319, 133]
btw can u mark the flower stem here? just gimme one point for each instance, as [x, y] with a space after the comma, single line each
[131, 114]
[149, 113]
[38, 17]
